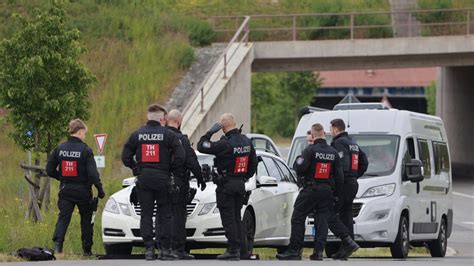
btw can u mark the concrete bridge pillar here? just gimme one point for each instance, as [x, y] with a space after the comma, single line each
[455, 105]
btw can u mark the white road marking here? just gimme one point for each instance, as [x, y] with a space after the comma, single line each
[470, 223]
[463, 195]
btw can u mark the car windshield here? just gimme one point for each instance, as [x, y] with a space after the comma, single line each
[381, 151]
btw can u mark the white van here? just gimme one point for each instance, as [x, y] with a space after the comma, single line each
[405, 198]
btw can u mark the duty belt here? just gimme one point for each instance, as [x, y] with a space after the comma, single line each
[315, 184]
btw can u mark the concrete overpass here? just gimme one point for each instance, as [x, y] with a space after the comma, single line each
[229, 89]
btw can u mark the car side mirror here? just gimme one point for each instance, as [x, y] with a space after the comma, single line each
[414, 171]
[266, 181]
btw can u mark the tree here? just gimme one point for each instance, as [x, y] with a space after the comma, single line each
[277, 98]
[430, 92]
[298, 91]
[42, 83]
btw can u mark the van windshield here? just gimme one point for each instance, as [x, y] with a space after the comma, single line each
[381, 151]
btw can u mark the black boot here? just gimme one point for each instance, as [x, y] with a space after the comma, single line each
[338, 254]
[86, 251]
[317, 255]
[289, 254]
[150, 254]
[168, 254]
[183, 255]
[230, 254]
[349, 246]
[58, 247]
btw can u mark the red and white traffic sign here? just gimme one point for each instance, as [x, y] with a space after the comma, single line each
[100, 141]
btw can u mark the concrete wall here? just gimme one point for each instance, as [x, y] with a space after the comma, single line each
[235, 97]
[455, 95]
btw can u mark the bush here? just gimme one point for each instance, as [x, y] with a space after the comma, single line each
[200, 32]
[187, 58]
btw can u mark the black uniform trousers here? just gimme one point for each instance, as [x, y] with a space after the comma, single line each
[180, 214]
[345, 215]
[154, 189]
[309, 199]
[71, 195]
[229, 197]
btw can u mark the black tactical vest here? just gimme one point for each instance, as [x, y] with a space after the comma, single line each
[350, 155]
[72, 166]
[236, 162]
[323, 158]
[153, 147]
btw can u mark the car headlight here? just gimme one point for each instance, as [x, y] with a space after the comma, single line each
[125, 209]
[207, 208]
[111, 206]
[384, 190]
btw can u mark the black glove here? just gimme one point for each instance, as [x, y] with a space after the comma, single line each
[216, 127]
[202, 185]
[100, 190]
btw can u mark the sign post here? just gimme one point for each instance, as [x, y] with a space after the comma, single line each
[100, 140]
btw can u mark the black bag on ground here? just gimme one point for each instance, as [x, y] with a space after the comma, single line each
[36, 254]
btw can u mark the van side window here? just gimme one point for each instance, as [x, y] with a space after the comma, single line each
[409, 153]
[441, 157]
[425, 156]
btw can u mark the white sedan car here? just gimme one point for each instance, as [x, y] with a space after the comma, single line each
[266, 218]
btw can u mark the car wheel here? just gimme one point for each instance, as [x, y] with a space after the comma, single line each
[401, 246]
[438, 246]
[248, 234]
[118, 249]
[331, 249]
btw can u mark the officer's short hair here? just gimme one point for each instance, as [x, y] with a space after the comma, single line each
[76, 125]
[156, 108]
[156, 112]
[317, 130]
[339, 124]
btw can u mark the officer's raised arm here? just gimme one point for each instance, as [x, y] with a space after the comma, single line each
[52, 166]
[205, 145]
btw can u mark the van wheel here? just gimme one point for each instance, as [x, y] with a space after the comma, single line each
[248, 234]
[118, 249]
[331, 248]
[401, 246]
[438, 246]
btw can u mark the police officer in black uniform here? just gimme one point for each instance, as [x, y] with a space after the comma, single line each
[354, 164]
[182, 181]
[320, 168]
[236, 162]
[153, 152]
[77, 173]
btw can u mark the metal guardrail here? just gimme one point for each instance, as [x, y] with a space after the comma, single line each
[240, 37]
[352, 23]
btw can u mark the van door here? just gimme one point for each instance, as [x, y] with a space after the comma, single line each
[425, 225]
[411, 190]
